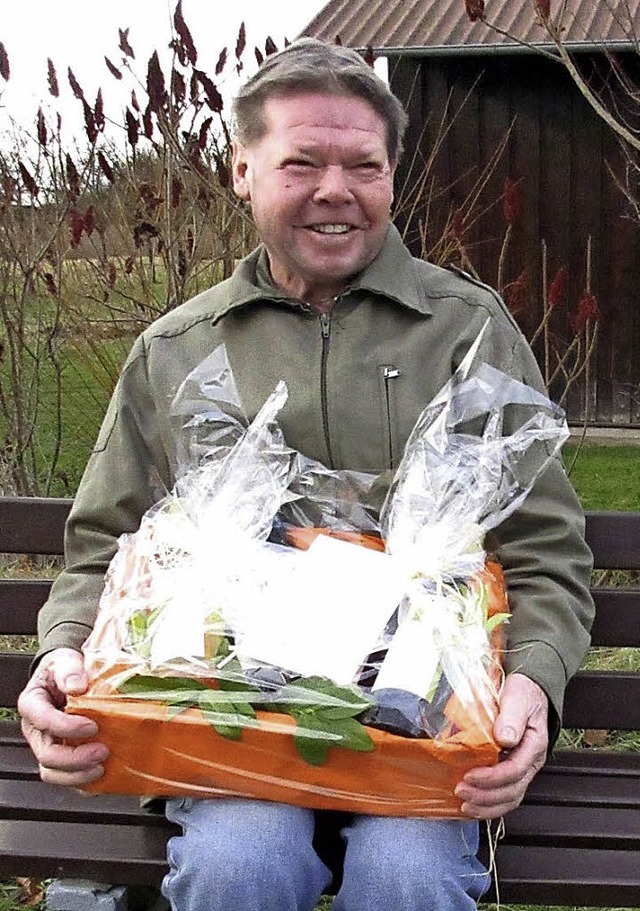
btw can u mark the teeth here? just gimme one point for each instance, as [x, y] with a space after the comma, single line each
[331, 229]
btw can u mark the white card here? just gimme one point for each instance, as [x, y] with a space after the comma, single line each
[325, 615]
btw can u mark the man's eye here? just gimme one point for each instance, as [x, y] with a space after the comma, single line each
[298, 163]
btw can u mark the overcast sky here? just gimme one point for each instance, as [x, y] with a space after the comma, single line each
[79, 33]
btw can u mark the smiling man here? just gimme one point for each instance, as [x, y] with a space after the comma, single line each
[364, 336]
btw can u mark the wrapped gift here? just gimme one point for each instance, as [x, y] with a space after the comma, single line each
[265, 634]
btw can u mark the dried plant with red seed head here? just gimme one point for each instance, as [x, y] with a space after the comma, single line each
[124, 45]
[543, 7]
[76, 227]
[512, 201]
[369, 56]
[134, 101]
[90, 127]
[133, 128]
[115, 72]
[105, 167]
[223, 172]
[222, 60]
[213, 96]
[98, 111]
[147, 122]
[241, 43]
[52, 79]
[73, 178]
[31, 186]
[203, 133]
[155, 84]
[41, 129]
[176, 192]
[587, 311]
[475, 9]
[270, 46]
[185, 35]
[111, 273]
[515, 294]
[76, 88]
[5, 69]
[178, 87]
[89, 221]
[50, 283]
[259, 56]
[558, 287]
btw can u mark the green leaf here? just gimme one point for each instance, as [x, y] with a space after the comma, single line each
[313, 750]
[354, 736]
[495, 621]
[162, 689]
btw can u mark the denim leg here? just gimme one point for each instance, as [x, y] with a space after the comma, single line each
[245, 855]
[411, 865]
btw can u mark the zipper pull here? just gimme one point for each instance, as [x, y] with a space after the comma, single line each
[325, 324]
[390, 372]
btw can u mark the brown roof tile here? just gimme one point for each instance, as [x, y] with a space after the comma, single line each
[434, 25]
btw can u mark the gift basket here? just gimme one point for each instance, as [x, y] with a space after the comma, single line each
[267, 633]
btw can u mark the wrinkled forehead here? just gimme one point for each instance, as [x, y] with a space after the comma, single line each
[300, 114]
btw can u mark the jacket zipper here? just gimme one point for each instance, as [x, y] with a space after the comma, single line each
[325, 328]
[389, 372]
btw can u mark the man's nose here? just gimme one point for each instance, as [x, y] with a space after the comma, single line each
[333, 185]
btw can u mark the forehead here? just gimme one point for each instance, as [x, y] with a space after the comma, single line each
[315, 116]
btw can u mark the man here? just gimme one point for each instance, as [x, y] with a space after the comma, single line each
[328, 303]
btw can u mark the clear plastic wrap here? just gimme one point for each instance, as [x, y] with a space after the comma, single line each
[264, 633]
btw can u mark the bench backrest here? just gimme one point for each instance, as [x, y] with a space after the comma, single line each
[595, 699]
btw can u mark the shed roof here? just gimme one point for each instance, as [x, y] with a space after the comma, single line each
[433, 26]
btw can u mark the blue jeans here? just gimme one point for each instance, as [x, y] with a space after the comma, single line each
[249, 855]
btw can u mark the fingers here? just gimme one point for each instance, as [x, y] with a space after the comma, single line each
[521, 730]
[487, 793]
[50, 732]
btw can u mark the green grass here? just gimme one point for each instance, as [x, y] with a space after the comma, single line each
[605, 477]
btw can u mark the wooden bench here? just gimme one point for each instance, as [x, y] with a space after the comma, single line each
[575, 840]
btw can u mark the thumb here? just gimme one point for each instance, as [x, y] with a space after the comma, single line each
[69, 672]
[513, 717]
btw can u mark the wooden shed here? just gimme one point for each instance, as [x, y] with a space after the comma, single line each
[505, 137]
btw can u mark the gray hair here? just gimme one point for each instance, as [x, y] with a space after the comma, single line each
[309, 65]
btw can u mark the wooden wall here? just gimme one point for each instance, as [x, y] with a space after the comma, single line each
[560, 154]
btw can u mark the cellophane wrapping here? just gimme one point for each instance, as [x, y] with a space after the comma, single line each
[267, 633]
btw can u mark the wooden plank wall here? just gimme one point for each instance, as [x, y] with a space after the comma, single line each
[560, 154]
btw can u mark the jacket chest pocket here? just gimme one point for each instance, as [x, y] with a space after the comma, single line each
[392, 447]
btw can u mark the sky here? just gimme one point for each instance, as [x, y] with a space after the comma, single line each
[79, 33]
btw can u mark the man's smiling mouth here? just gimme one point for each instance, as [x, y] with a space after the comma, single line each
[331, 228]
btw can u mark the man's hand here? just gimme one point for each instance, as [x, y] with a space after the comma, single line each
[45, 725]
[521, 730]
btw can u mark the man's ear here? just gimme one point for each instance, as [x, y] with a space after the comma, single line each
[239, 170]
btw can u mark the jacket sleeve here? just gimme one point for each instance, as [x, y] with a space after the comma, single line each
[126, 473]
[546, 560]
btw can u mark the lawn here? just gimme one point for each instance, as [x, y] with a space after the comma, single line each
[605, 477]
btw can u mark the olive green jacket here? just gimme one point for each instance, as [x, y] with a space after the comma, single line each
[357, 379]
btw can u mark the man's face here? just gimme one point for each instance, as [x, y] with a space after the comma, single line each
[320, 185]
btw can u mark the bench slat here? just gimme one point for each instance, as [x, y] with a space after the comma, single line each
[116, 854]
[50, 803]
[603, 699]
[614, 538]
[20, 601]
[617, 620]
[574, 827]
[32, 525]
[574, 876]
[15, 673]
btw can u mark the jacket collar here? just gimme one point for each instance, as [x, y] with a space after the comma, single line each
[391, 275]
